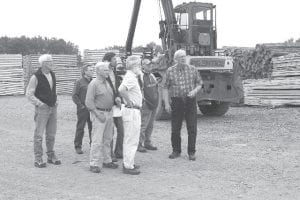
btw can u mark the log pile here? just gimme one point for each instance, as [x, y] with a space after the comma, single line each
[282, 89]
[65, 68]
[11, 75]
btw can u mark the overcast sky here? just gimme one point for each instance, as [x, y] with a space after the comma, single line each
[95, 24]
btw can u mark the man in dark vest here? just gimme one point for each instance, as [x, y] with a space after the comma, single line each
[41, 92]
[150, 102]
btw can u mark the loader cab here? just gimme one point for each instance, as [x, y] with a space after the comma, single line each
[196, 28]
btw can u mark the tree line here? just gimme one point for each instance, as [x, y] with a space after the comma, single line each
[36, 45]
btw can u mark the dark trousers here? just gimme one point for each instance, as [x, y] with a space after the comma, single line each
[120, 135]
[83, 117]
[184, 108]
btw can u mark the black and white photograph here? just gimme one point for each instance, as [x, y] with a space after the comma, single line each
[149, 99]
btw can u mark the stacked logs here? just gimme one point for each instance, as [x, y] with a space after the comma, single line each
[11, 74]
[65, 68]
[283, 87]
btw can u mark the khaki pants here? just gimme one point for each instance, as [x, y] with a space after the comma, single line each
[102, 134]
[132, 125]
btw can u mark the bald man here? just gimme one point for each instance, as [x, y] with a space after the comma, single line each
[131, 114]
[41, 92]
[99, 101]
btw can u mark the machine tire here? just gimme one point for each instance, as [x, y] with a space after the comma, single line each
[215, 109]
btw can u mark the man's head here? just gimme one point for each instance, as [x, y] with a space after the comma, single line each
[111, 58]
[87, 71]
[147, 65]
[180, 56]
[102, 69]
[133, 63]
[46, 63]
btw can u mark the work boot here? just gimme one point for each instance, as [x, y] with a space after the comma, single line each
[39, 163]
[150, 147]
[131, 171]
[192, 156]
[174, 155]
[78, 150]
[95, 169]
[52, 159]
[110, 165]
[141, 149]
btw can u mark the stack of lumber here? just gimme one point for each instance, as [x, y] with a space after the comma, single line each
[95, 55]
[11, 75]
[282, 89]
[65, 69]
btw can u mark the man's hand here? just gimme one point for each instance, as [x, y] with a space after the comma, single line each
[168, 107]
[192, 93]
[101, 117]
[118, 102]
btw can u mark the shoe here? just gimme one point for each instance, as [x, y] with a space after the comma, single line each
[78, 150]
[192, 157]
[150, 147]
[136, 166]
[131, 171]
[95, 169]
[110, 165]
[174, 155]
[52, 159]
[39, 164]
[141, 149]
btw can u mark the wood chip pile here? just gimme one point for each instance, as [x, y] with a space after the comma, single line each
[65, 68]
[11, 75]
[282, 89]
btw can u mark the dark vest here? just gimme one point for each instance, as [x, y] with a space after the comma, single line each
[43, 91]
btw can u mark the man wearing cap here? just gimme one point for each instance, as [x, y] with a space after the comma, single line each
[114, 79]
[132, 95]
[99, 100]
[83, 115]
[150, 102]
[41, 92]
[182, 84]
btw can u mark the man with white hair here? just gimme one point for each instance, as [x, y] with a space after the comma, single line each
[131, 114]
[182, 84]
[41, 92]
[99, 101]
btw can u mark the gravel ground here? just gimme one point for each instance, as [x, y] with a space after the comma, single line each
[250, 153]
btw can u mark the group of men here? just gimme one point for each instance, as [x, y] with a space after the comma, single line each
[106, 101]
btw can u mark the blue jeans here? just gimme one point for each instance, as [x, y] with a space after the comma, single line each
[184, 108]
[45, 118]
[147, 117]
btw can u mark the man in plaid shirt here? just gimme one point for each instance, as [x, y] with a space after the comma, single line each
[182, 84]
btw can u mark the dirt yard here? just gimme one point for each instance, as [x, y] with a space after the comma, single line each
[250, 153]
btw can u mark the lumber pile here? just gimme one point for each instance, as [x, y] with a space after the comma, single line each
[11, 75]
[95, 55]
[283, 87]
[65, 68]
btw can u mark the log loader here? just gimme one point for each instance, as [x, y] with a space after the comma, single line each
[192, 27]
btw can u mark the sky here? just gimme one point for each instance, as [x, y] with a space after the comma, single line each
[96, 24]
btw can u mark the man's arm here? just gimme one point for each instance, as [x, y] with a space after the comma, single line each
[30, 90]
[123, 92]
[165, 93]
[75, 95]
[198, 83]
